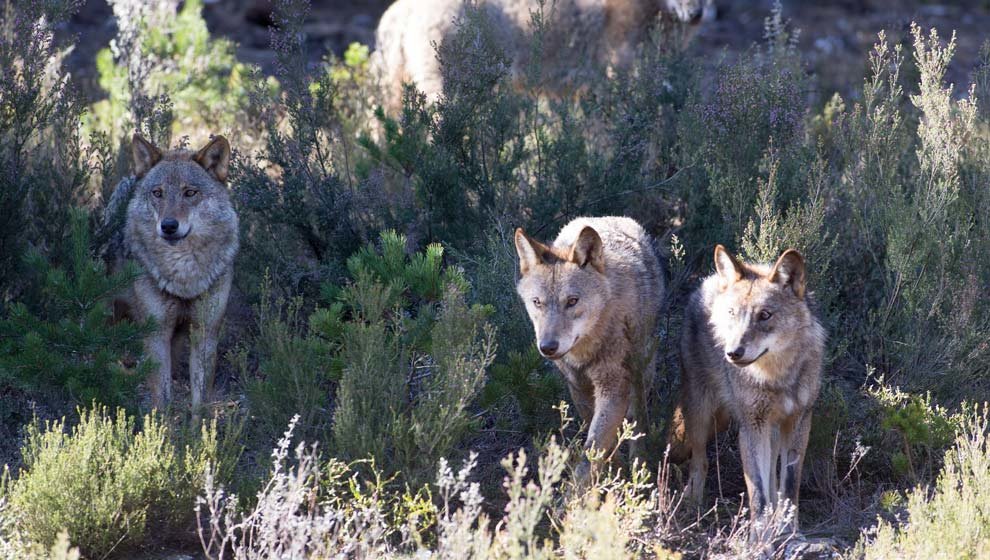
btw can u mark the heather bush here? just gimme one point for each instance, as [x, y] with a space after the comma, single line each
[750, 124]
[110, 485]
[408, 377]
[328, 509]
[40, 153]
[948, 520]
[295, 195]
[296, 367]
[13, 548]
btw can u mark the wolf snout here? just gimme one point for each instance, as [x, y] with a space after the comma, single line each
[549, 348]
[169, 226]
[736, 354]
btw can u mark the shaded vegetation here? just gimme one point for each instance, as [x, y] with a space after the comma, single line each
[377, 276]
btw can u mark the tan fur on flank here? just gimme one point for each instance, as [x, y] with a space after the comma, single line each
[188, 271]
[593, 297]
[581, 34]
[751, 353]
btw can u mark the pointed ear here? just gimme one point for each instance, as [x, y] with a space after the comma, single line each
[144, 155]
[789, 271]
[530, 252]
[215, 157]
[728, 268]
[588, 249]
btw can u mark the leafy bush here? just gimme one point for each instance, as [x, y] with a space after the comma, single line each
[163, 52]
[296, 194]
[110, 486]
[924, 428]
[40, 153]
[405, 352]
[407, 379]
[62, 341]
[297, 365]
[949, 520]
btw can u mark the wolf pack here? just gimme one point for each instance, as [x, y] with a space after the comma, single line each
[751, 347]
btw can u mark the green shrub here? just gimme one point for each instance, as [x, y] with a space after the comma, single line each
[40, 154]
[414, 356]
[524, 379]
[111, 486]
[924, 429]
[61, 341]
[164, 50]
[296, 369]
[949, 520]
[297, 193]
[404, 351]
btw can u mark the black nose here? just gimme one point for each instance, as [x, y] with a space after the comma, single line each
[170, 226]
[695, 18]
[549, 348]
[737, 353]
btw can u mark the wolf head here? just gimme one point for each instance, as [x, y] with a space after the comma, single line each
[565, 289]
[181, 224]
[180, 185]
[757, 311]
[684, 11]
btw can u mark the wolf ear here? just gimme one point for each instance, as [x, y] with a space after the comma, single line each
[215, 157]
[144, 155]
[789, 271]
[588, 249]
[530, 252]
[728, 268]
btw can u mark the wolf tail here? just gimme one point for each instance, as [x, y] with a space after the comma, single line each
[680, 451]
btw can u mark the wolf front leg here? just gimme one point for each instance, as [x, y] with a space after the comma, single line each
[756, 447]
[202, 361]
[794, 444]
[204, 333]
[775, 446]
[158, 347]
[611, 404]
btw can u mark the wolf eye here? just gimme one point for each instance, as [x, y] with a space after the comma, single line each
[764, 315]
[157, 193]
[190, 193]
[536, 302]
[572, 301]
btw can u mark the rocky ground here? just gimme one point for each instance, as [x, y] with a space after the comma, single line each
[835, 34]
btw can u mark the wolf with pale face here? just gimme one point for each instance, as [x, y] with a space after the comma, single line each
[181, 227]
[751, 353]
[593, 297]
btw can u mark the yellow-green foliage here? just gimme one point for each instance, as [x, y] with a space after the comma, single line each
[108, 484]
[923, 427]
[951, 520]
[178, 58]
